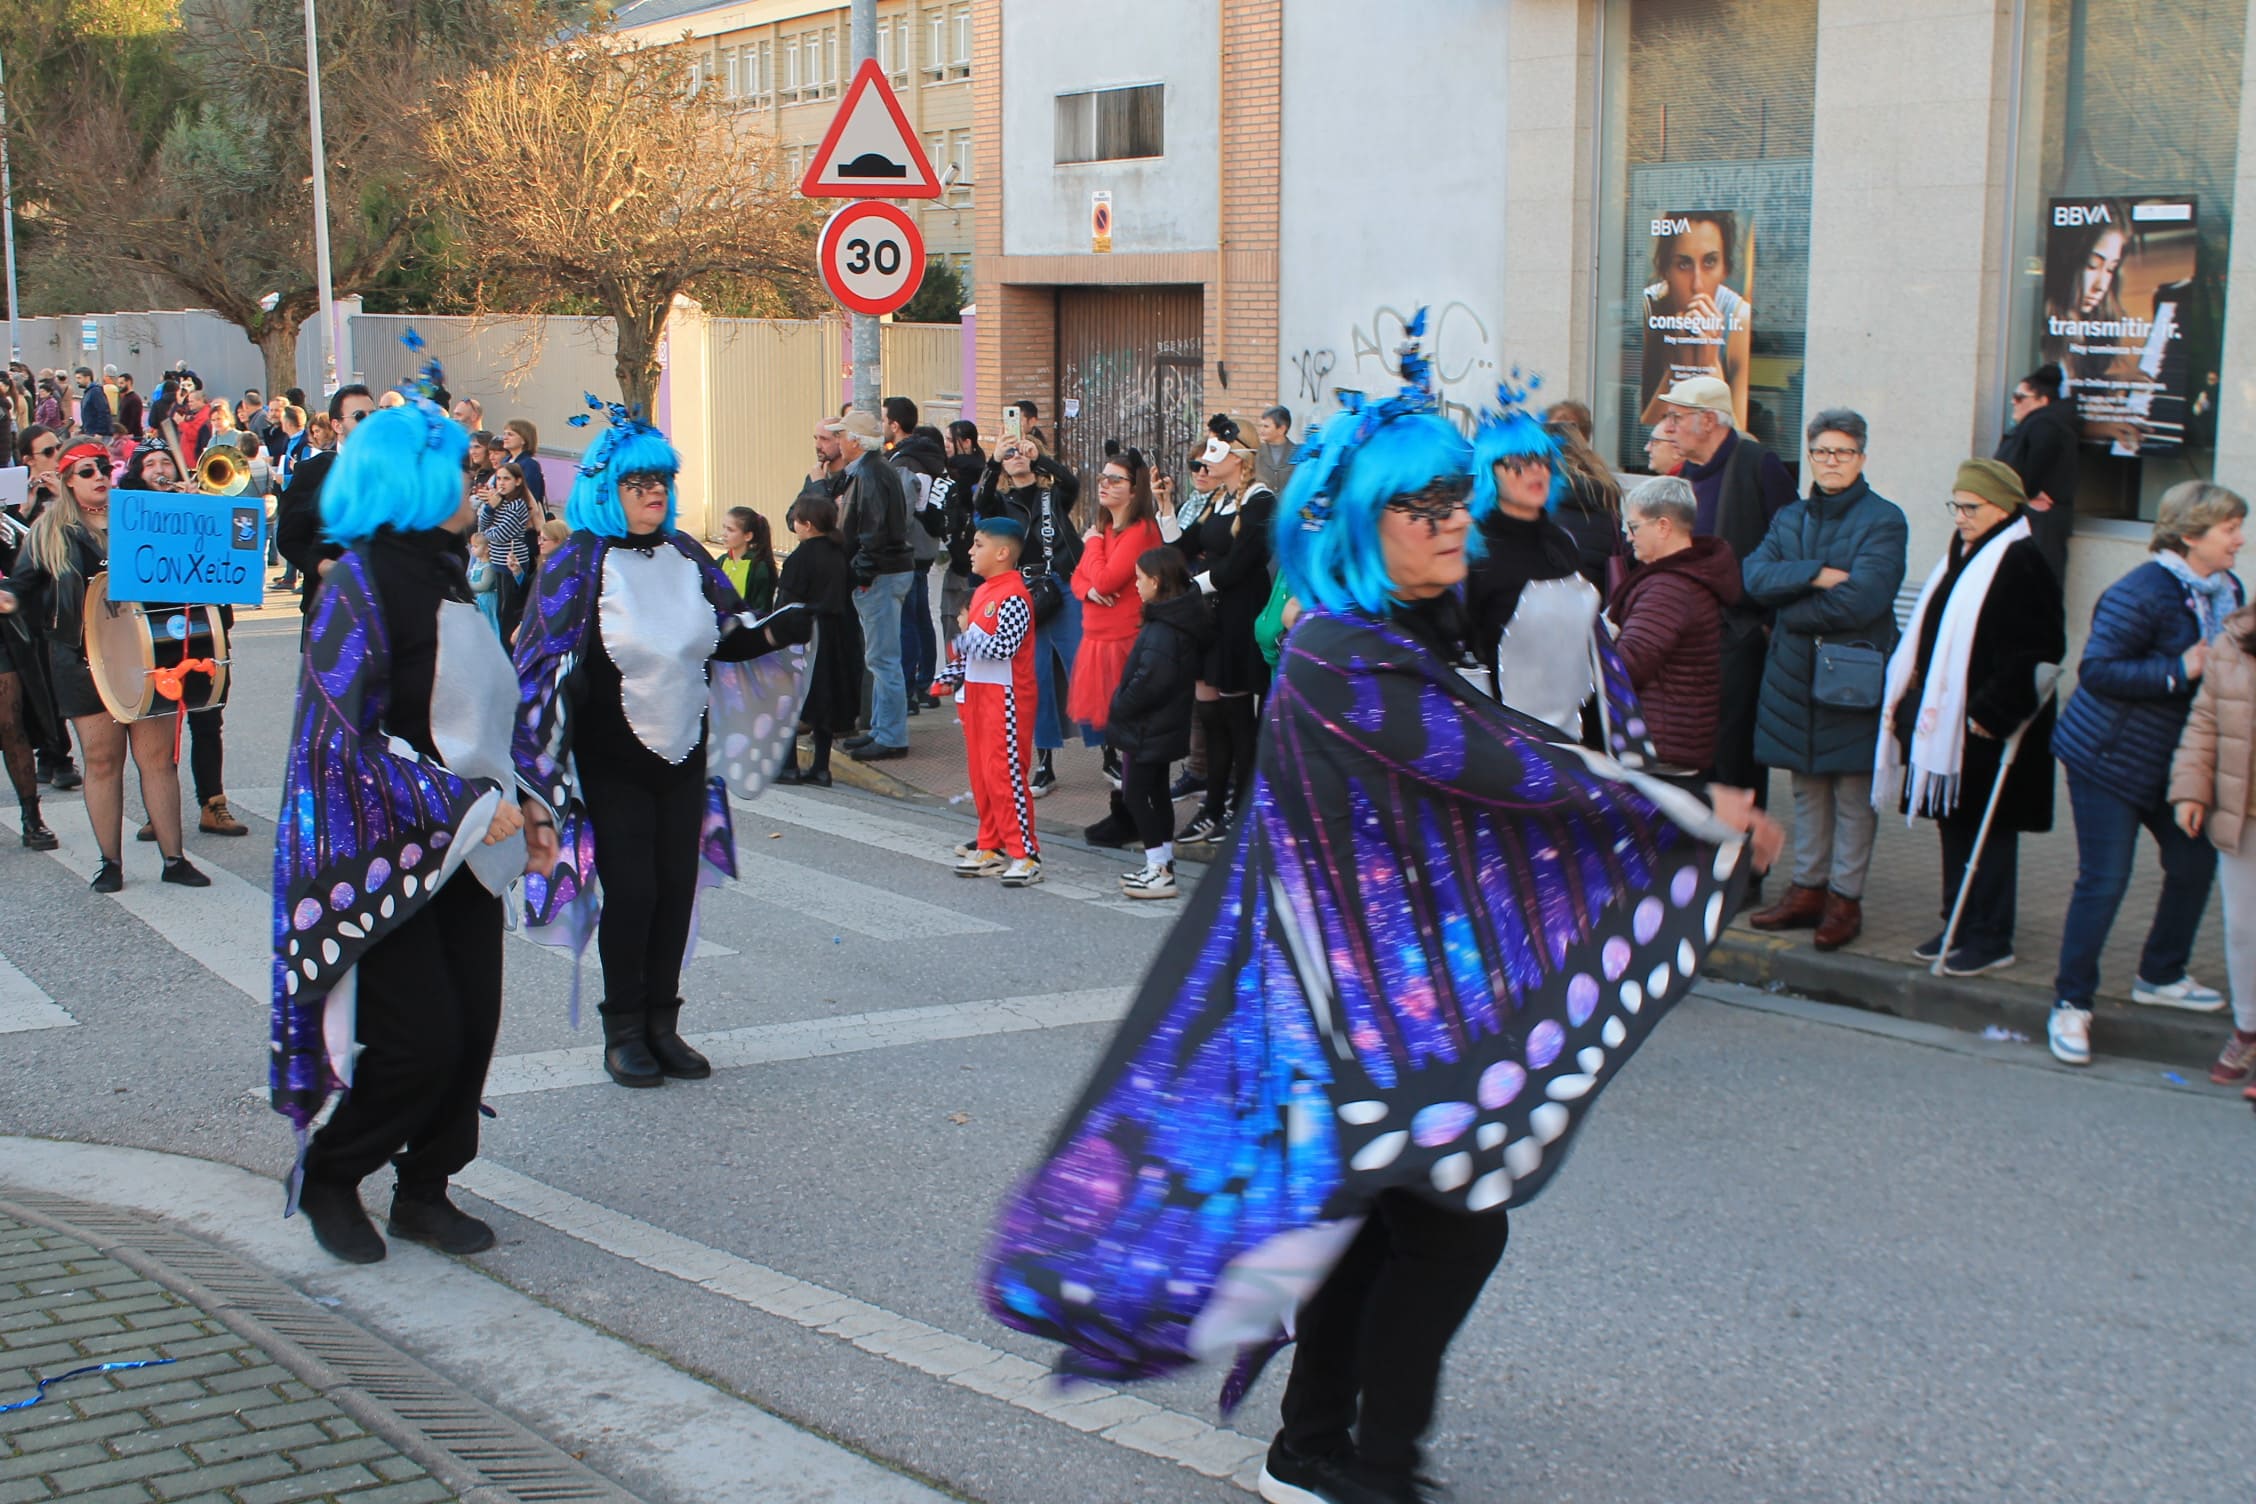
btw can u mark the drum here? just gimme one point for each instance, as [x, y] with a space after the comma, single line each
[130, 648]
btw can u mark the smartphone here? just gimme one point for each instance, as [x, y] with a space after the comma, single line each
[1014, 422]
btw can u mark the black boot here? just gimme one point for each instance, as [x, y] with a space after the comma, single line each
[340, 1223]
[438, 1223]
[1115, 829]
[36, 835]
[672, 1052]
[626, 1054]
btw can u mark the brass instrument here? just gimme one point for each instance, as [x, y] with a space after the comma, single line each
[223, 471]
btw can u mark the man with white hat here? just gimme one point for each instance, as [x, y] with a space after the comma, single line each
[1737, 487]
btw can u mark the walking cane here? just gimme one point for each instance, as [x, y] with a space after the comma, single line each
[2048, 684]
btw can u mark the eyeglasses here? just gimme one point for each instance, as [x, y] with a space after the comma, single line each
[1110, 479]
[2020, 397]
[1432, 506]
[1629, 529]
[1834, 456]
[1959, 508]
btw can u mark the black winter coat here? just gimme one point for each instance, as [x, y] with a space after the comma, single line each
[1237, 566]
[967, 471]
[816, 576]
[2022, 625]
[1150, 719]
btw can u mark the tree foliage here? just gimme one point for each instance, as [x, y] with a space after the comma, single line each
[639, 189]
[939, 297]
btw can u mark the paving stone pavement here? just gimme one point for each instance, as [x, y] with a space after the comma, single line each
[222, 1424]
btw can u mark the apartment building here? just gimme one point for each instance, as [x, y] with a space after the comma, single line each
[786, 63]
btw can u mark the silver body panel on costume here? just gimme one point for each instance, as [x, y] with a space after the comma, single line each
[473, 714]
[658, 628]
[1543, 661]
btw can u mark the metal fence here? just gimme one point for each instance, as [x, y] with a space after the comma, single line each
[539, 369]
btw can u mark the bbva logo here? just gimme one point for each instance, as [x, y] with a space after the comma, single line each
[1663, 228]
[2081, 214]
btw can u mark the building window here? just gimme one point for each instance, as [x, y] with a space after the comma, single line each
[962, 55]
[935, 42]
[791, 68]
[963, 157]
[830, 61]
[2129, 139]
[885, 47]
[731, 78]
[763, 78]
[1704, 214]
[1108, 125]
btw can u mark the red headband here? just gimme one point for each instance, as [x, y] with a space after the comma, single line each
[84, 449]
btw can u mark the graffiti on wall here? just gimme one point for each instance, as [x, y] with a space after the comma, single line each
[1457, 341]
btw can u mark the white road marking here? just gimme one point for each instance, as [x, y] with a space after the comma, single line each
[811, 1039]
[876, 912]
[1137, 1424]
[24, 1006]
[226, 928]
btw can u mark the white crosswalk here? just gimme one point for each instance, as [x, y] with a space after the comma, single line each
[24, 1006]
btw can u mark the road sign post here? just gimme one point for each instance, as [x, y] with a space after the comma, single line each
[872, 257]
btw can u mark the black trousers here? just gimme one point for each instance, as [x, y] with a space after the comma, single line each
[1995, 892]
[1371, 1340]
[1143, 788]
[430, 1005]
[207, 752]
[1740, 692]
[1233, 733]
[646, 832]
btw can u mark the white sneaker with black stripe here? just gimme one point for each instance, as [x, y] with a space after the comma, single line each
[981, 864]
[1023, 873]
[1149, 882]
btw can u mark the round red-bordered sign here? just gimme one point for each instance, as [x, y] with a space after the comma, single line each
[872, 257]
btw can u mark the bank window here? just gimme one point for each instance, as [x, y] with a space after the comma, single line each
[1110, 125]
[2130, 115]
[1704, 214]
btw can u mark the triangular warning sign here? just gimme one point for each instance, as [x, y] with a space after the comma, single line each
[869, 150]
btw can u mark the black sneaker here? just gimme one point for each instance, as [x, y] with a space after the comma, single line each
[1290, 1477]
[1044, 780]
[852, 742]
[64, 775]
[109, 877]
[438, 1223]
[1930, 949]
[340, 1223]
[1203, 830]
[181, 872]
[1185, 787]
[1974, 958]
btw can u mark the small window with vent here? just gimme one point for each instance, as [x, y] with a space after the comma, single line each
[1109, 125]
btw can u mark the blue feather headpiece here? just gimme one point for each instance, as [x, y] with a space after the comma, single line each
[623, 422]
[1513, 433]
[1329, 458]
[423, 389]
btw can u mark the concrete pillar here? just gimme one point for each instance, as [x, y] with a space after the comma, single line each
[2236, 410]
[1550, 173]
[685, 405]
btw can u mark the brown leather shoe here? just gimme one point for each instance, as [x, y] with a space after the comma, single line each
[219, 820]
[1798, 910]
[1843, 922]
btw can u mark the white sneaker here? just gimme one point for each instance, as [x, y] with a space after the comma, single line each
[1023, 873]
[2184, 993]
[1149, 882]
[2068, 1031]
[980, 864]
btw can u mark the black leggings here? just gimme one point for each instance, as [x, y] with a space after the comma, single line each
[429, 1007]
[1377, 1330]
[1232, 731]
[1143, 788]
[15, 740]
[646, 850]
[207, 752]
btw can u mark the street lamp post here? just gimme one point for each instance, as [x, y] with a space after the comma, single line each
[8, 214]
[330, 336]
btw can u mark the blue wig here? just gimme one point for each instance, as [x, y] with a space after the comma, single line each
[1327, 528]
[1511, 432]
[627, 448]
[401, 469]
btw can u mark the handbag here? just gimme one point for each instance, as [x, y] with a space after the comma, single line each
[1848, 675]
[1048, 597]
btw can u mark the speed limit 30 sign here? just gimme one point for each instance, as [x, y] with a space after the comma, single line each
[872, 257]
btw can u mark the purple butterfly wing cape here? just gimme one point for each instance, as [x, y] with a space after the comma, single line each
[367, 833]
[1439, 938]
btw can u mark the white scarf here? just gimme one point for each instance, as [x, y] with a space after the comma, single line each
[1938, 737]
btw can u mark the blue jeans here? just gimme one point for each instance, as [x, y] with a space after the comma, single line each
[1057, 643]
[920, 648]
[2107, 828]
[878, 604]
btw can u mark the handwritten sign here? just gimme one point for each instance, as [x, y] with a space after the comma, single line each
[186, 548]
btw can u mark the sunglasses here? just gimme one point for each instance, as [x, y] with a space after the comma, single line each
[81, 472]
[46, 451]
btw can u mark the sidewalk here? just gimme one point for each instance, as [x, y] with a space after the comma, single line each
[1903, 895]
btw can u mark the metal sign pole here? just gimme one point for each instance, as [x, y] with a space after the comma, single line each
[8, 213]
[867, 389]
[330, 340]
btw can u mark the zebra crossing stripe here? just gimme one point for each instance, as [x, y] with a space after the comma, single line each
[24, 1007]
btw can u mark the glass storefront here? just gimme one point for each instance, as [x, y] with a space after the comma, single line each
[1704, 211]
[2128, 133]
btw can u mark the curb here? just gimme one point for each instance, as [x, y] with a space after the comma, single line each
[486, 1458]
[1972, 1004]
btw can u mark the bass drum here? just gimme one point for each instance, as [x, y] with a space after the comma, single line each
[127, 644]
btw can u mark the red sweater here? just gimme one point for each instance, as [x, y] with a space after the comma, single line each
[1108, 567]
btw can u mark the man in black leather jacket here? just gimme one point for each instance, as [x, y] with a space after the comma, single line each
[876, 521]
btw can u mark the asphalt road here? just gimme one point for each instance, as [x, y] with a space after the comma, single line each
[1803, 1255]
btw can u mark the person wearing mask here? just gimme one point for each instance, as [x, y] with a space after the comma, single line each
[875, 519]
[1353, 1116]
[1233, 571]
[1961, 681]
[633, 663]
[925, 482]
[2142, 664]
[1178, 525]
[748, 559]
[1018, 486]
[1830, 567]
[68, 547]
[1668, 616]
[816, 576]
[2045, 449]
[297, 518]
[398, 794]
[1112, 612]
[1273, 448]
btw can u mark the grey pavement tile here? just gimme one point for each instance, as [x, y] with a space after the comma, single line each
[52, 1460]
[247, 1443]
[366, 1449]
[116, 1493]
[108, 1343]
[397, 1469]
[283, 1415]
[72, 1331]
[416, 1491]
[136, 1399]
[195, 1434]
[121, 1470]
[18, 1490]
[309, 1486]
[54, 1425]
[258, 1376]
[212, 1368]
[239, 1473]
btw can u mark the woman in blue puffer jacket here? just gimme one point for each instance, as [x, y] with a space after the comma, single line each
[2141, 666]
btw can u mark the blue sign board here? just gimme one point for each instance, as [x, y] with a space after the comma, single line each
[187, 548]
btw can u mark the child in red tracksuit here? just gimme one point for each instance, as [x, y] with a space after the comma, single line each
[993, 670]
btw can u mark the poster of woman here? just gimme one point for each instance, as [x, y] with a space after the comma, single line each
[1698, 320]
[2119, 277]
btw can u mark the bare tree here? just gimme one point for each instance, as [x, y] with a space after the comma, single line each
[634, 186]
